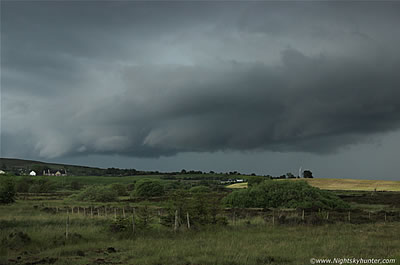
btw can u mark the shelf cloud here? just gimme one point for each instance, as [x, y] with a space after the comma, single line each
[151, 79]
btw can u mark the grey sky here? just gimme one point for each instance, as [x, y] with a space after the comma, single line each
[260, 87]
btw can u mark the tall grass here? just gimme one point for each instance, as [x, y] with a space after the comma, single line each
[253, 242]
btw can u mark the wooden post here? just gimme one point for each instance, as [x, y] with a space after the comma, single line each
[188, 220]
[273, 217]
[78, 209]
[302, 215]
[98, 211]
[176, 221]
[327, 215]
[67, 226]
[349, 217]
[159, 216]
[133, 222]
[84, 211]
[115, 213]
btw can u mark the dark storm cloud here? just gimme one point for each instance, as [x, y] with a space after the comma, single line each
[154, 79]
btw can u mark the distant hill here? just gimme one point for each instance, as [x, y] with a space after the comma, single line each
[21, 167]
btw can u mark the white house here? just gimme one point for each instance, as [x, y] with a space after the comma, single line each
[32, 173]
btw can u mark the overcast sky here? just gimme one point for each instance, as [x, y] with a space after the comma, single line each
[262, 87]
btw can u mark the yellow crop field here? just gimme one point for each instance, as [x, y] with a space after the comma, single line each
[237, 186]
[342, 184]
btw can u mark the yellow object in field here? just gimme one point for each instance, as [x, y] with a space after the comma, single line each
[341, 184]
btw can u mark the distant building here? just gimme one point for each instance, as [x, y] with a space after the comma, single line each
[60, 172]
[32, 173]
[2, 172]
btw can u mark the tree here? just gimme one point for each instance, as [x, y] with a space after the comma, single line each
[307, 174]
[290, 176]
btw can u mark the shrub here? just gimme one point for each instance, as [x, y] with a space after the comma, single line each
[7, 191]
[42, 185]
[287, 194]
[76, 185]
[130, 186]
[16, 240]
[148, 188]
[97, 194]
[23, 184]
[119, 188]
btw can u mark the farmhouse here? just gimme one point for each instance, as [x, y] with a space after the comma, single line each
[57, 172]
[32, 173]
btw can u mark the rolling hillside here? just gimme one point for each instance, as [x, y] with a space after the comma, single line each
[17, 165]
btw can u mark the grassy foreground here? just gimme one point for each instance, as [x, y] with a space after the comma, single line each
[250, 242]
[343, 184]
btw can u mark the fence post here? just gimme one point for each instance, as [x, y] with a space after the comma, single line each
[84, 211]
[133, 222]
[327, 215]
[98, 211]
[273, 217]
[115, 213]
[302, 215]
[67, 226]
[176, 221]
[188, 220]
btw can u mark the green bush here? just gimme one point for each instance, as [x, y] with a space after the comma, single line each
[23, 184]
[284, 194]
[75, 185]
[41, 185]
[148, 188]
[7, 191]
[119, 188]
[97, 194]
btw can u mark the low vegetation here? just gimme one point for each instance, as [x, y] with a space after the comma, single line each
[97, 194]
[187, 219]
[284, 194]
